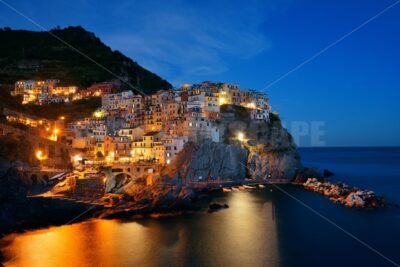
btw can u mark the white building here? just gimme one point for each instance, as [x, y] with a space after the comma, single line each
[229, 94]
[123, 100]
[211, 103]
[199, 128]
[196, 99]
[259, 114]
[173, 145]
[134, 134]
[99, 133]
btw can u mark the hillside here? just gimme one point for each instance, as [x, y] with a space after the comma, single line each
[38, 55]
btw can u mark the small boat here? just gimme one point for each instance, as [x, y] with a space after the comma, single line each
[58, 177]
[261, 186]
[241, 187]
[249, 187]
[235, 189]
[225, 189]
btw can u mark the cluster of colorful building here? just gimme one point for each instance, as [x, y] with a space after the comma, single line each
[40, 92]
[141, 133]
[154, 128]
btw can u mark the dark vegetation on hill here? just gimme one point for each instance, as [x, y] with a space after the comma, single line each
[78, 110]
[39, 55]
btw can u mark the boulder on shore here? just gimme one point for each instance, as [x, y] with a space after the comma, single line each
[216, 207]
[345, 195]
[354, 200]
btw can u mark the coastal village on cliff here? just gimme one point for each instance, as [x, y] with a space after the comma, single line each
[136, 133]
[141, 153]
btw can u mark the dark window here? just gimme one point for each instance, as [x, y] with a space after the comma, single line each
[52, 151]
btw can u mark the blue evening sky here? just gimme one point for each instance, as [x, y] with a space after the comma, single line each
[348, 96]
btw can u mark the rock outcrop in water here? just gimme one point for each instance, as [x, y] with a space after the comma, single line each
[134, 199]
[345, 195]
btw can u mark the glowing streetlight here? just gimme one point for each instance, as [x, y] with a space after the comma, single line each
[110, 157]
[40, 156]
[251, 105]
[77, 158]
[54, 136]
[240, 136]
[98, 114]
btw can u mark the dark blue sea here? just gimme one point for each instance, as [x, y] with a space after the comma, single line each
[274, 226]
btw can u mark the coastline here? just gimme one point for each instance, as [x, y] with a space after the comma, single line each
[33, 210]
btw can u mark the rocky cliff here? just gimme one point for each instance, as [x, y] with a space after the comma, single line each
[218, 161]
[135, 198]
[267, 151]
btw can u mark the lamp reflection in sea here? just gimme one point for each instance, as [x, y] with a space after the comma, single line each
[243, 235]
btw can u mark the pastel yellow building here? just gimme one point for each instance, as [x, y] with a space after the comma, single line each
[149, 149]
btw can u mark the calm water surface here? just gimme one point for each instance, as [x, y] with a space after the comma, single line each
[263, 227]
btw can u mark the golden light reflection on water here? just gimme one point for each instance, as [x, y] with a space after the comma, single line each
[243, 235]
[67, 245]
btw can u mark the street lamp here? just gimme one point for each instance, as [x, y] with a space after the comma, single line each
[54, 135]
[40, 156]
[77, 158]
[240, 136]
[252, 105]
